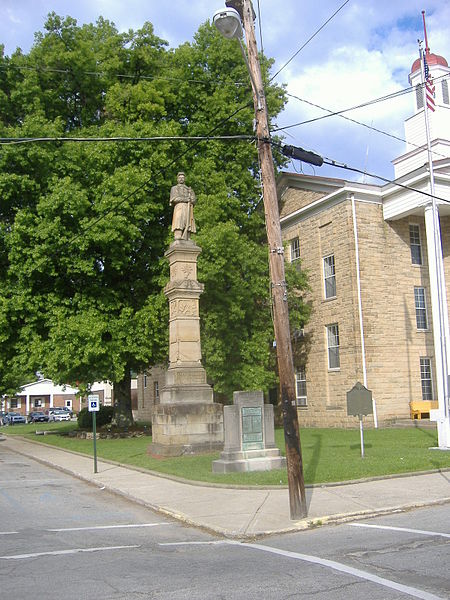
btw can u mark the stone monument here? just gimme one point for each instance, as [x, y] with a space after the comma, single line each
[186, 421]
[249, 436]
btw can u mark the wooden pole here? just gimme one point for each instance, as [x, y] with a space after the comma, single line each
[297, 496]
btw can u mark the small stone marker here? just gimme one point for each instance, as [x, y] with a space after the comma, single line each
[249, 436]
[359, 404]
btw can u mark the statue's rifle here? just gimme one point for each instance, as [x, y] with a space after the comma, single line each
[188, 216]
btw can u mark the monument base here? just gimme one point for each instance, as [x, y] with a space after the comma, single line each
[250, 460]
[249, 436]
[186, 428]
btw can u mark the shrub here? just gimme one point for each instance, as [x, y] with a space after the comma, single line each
[104, 417]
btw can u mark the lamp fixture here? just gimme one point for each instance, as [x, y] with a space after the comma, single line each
[228, 22]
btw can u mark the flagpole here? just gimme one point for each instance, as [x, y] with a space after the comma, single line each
[436, 271]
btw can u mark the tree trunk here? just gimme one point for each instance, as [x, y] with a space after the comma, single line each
[123, 416]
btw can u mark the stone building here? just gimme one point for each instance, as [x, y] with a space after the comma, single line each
[369, 253]
[149, 386]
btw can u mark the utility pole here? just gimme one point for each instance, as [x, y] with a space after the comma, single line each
[297, 496]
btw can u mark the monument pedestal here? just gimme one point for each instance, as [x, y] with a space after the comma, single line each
[249, 436]
[186, 421]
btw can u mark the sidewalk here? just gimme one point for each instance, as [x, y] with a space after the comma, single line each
[243, 513]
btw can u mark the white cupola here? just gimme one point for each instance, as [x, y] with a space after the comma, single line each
[439, 119]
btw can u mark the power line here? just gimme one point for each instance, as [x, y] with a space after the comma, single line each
[315, 159]
[160, 172]
[391, 135]
[309, 39]
[399, 93]
[122, 75]
[339, 165]
[173, 138]
[344, 110]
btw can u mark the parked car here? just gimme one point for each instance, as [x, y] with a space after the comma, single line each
[35, 416]
[58, 414]
[12, 418]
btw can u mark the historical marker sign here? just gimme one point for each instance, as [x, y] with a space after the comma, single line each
[359, 401]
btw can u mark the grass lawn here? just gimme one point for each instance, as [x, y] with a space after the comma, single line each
[328, 454]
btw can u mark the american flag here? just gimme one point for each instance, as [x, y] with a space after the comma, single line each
[429, 86]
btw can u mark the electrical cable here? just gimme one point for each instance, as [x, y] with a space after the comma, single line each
[159, 172]
[339, 165]
[314, 159]
[308, 40]
[121, 76]
[391, 135]
[177, 138]
[407, 90]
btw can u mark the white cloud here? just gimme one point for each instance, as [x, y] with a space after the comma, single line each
[366, 51]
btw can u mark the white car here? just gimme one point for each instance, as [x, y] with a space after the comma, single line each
[59, 415]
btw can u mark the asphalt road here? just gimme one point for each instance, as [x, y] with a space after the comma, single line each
[63, 539]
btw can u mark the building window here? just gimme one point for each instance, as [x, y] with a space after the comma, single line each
[156, 390]
[300, 387]
[145, 380]
[421, 308]
[333, 346]
[414, 242]
[419, 97]
[445, 97]
[14, 403]
[426, 379]
[37, 403]
[295, 249]
[329, 276]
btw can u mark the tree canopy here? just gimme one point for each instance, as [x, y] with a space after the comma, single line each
[84, 225]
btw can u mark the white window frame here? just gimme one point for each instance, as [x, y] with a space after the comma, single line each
[426, 378]
[420, 304]
[37, 403]
[295, 249]
[301, 400]
[328, 262]
[333, 348]
[413, 230]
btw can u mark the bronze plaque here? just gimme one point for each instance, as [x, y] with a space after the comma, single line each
[252, 428]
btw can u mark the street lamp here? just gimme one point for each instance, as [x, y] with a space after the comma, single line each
[228, 21]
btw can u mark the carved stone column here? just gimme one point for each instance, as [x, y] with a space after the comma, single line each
[186, 421]
[186, 377]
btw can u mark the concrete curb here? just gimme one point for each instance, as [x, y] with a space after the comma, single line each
[232, 486]
[302, 525]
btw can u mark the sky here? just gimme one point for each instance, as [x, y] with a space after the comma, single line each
[364, 52]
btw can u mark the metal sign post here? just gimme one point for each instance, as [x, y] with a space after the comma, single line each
[359, 403]
[94, 407]
[361, 435]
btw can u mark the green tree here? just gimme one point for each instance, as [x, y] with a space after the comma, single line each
[84, 226]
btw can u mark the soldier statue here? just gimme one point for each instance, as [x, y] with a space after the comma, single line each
[182, 198]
